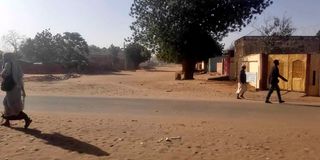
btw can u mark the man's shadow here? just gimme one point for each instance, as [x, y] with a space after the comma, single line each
[65, 142]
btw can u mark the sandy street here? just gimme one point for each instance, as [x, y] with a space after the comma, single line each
[154, 83]
[147, 115]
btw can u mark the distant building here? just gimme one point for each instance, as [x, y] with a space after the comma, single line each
[222, 63]
[212, 65]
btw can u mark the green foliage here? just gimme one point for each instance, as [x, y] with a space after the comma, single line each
[45, 48]
[76, 48]
[114, 51]
[185, 29]
[28, 50]
[97, 50]
[69, 49]
[137, 54]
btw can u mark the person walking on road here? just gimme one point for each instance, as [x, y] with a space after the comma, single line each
[273, 81]
[13, 101]
[242, 83]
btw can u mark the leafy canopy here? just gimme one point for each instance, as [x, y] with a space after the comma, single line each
[180, 29]
[67, 48]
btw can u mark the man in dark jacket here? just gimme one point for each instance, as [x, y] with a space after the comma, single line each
[242, 83]
[273, 81]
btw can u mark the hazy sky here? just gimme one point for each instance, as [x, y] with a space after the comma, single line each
[105, 22]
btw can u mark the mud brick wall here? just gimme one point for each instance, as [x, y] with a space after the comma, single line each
[277, 45]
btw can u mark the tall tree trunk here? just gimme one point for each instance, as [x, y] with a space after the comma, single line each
[188, 66]
[206, 62]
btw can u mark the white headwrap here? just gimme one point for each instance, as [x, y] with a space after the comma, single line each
[10, 60]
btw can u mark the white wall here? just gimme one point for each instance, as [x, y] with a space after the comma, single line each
[253, 66]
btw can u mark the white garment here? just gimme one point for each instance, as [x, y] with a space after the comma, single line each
[12, 102]
[242, 88]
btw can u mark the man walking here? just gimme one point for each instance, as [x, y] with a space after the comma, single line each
[242, 83]
[273, 81]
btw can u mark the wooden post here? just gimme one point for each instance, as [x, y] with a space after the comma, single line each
[307, 82]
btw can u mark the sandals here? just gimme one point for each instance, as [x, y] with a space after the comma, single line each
[6, 123]
[27, 123]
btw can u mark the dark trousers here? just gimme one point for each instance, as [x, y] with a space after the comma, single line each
[20, 116]
[272, 88]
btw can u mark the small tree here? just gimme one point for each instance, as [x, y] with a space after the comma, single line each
[114, 51]
[274, 29]
[13, 39]
[136, 54]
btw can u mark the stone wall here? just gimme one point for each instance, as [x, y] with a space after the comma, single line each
[30, 68]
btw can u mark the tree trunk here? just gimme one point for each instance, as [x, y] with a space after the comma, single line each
[206, 62]
[188, 66]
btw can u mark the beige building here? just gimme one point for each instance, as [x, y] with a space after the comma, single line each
[299, 61]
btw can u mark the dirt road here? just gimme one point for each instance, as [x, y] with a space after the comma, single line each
[129, 128]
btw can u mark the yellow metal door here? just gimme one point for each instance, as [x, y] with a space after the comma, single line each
[298, 76]
[283, 68]
[283, 72]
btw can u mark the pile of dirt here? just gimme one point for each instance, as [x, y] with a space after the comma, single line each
[50, 77]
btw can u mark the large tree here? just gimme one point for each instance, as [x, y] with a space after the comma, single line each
[41, 48]
[76, 47]
[75, 51]
[44, 47]
[187, 31]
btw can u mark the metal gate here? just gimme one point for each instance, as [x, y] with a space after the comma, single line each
[298, 75]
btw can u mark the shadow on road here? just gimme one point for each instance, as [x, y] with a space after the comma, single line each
[65, 142]
[286, 103]
[157, 70]
[303, 105]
